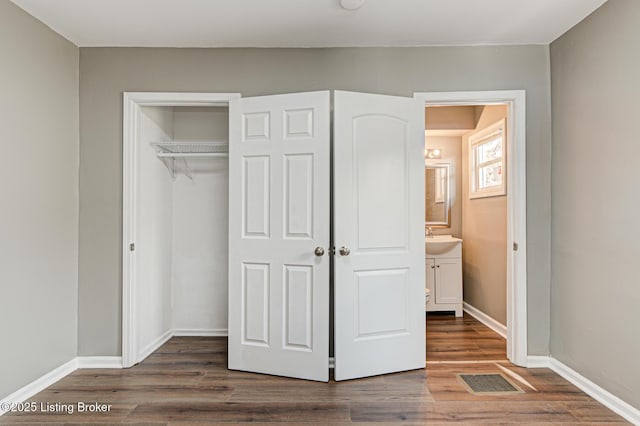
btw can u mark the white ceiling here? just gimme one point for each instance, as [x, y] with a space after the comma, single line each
[308, 23]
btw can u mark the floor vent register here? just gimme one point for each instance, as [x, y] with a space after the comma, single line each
[489, 384]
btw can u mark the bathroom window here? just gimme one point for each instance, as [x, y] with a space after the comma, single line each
[487, 162]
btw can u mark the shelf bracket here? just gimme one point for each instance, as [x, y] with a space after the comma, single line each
[187, 169]
[170, 164]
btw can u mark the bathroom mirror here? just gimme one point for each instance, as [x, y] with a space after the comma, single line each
[437, 195]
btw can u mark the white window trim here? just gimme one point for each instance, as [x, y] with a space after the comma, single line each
[477, 139]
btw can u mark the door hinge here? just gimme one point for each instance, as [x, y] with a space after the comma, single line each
[132, 246]
[515, 246]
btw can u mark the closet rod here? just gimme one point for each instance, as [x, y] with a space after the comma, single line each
[192, 154]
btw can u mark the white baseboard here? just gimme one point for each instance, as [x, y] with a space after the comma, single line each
[538, 361]
[208, 332]
[99, 362]
[39, 384]
[485, 319]
[153, 346]
[601, 395]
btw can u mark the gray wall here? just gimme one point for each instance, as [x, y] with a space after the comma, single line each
[106, 72]
[484, 234]
[595, 244]
[39, 196]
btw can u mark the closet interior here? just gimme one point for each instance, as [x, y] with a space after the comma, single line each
[182, 224]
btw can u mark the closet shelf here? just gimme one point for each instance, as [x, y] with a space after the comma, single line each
[191, 149]
[169, 152]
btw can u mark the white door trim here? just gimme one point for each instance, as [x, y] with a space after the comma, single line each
[132, 101]
[516, 205]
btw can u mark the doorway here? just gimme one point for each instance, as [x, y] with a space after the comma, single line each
[515, 192]
[174, 173]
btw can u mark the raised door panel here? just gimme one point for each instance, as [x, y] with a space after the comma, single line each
[256, 126]
[298, 196]
[298, 307]
[382, 291]
[298, 123]
[381, 176]
[256, 201]
[255, 304]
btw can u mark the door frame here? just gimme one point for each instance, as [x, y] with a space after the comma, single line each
[132, 101]
[516, 204]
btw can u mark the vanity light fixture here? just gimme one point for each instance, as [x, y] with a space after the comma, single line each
[351, 4]
[434, 153]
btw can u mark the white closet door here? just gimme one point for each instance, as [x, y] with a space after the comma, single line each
[279, 165]
[378, 234]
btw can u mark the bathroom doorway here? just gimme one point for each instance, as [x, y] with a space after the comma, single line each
[475, 201]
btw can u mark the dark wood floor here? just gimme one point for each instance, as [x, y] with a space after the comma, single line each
[187, 381]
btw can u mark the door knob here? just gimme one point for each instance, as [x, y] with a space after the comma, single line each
[319, 251]
[344, 251]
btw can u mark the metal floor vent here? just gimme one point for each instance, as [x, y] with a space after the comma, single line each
[489, 384]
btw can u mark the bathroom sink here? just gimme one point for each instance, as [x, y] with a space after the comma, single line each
[440, 244]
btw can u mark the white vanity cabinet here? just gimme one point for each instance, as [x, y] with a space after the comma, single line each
[443, 270]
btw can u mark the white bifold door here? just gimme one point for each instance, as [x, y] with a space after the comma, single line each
[378, 214]
[279, 165]
[279, 225]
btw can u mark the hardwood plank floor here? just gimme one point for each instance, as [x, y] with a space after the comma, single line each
[462, 339]
[186, 381]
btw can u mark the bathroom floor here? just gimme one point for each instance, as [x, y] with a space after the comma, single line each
[462, 339]
[186, 380]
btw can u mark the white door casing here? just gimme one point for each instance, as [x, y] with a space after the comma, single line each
[517, 340]
[279, 169]
[378, 215]
[132, 350]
